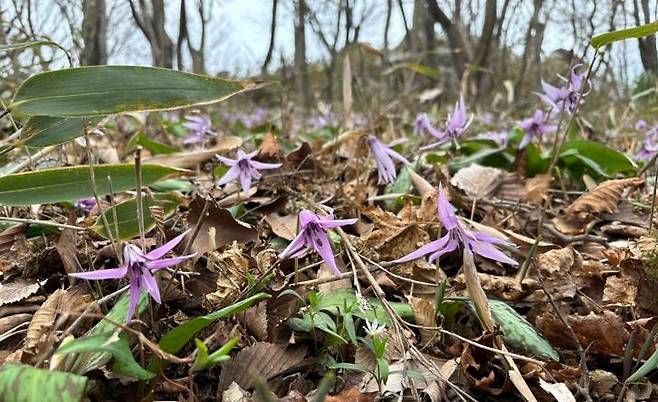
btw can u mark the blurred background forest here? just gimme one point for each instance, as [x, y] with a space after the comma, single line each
[496, 52]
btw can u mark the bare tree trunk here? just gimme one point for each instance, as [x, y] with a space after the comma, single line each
[270, 49]
[481, 62]
[94, 32]
[387, 24]
[647, 44]
[150, 18]
[301, 70]
[533, 40]
[460, 56]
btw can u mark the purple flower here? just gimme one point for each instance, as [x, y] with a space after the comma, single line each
[641, 125]
[244, 168]
[255, 119]
[384, 156]
[501, 138]
[458, 236]
[565, 97]
[86, 204]
[423, 123]
[649, 146]
[201, 129]
[534, 127]
[456, 125]
[325, 118]
[139, 268]
[313, 236]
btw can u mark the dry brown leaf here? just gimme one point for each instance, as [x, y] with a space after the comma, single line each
[424, 314]
[422, 186]
[478, 181]
[603, 383]
[604, 198]
[8, 236]
[43, 320]
[226, 228]
[17, 291]
[255, 320]
[559, 390]
[269, 148]
[284, 226]
[620, 290]
[536, 188]
[232, 266]
[236, 394]
[191, 159]
[66, 247]
[605, 332]
[264, 360]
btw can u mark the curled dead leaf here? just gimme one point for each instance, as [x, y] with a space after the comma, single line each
[262, 360]
[191, 159]
[17, 291]
[43, 320]
[603, 198]
[478, 181]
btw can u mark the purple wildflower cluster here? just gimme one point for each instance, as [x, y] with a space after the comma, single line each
[456, 125]
[244, 169]
[139, 267]
[458, 236]
[200, 129]
[313, 236]
[565, 96]
[534, 127]
[250, 120]
[384, 155]
[649, 146]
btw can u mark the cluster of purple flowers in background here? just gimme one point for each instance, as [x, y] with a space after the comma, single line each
[564, 98]
[649, 146]
[252, 119]
[455, 127]
[200, 129]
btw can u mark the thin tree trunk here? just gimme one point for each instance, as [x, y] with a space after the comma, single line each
[270, 49]
[647, 44]
[152, 24]
[481, 62]
[531, 42]
[94, 32]
[460, 56]
[300, 55]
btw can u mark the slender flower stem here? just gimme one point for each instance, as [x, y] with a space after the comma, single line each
[42, 223]
[94, 190]
[140, 206]
[115, 219]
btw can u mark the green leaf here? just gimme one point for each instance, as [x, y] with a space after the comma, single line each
[22, 383]
[73, 183]
[117, 346]
[105, 90]
[518, 332]
[152, 145]
[42, 131]
[648, 366]
[349, 366]
[85, 362]
[172, 185]
[602, 159]
[623, 34]
[174, 340]
[126, 213]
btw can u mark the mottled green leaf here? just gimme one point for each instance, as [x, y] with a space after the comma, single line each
[623, 34]
[105, 90]
[22, 383]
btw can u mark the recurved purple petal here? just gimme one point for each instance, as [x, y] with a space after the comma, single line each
[245, 180]
[431, 247]
[167, 262]
[151, 285]
[306, 217]
[450, 246]
[112, 273]
[446, 211]
[334, 223]
[322, 245]
[165, 248]
[488, 250]
[264, 166]
[226, 161]
[135, 289]
[296, 245]
[232, 174]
